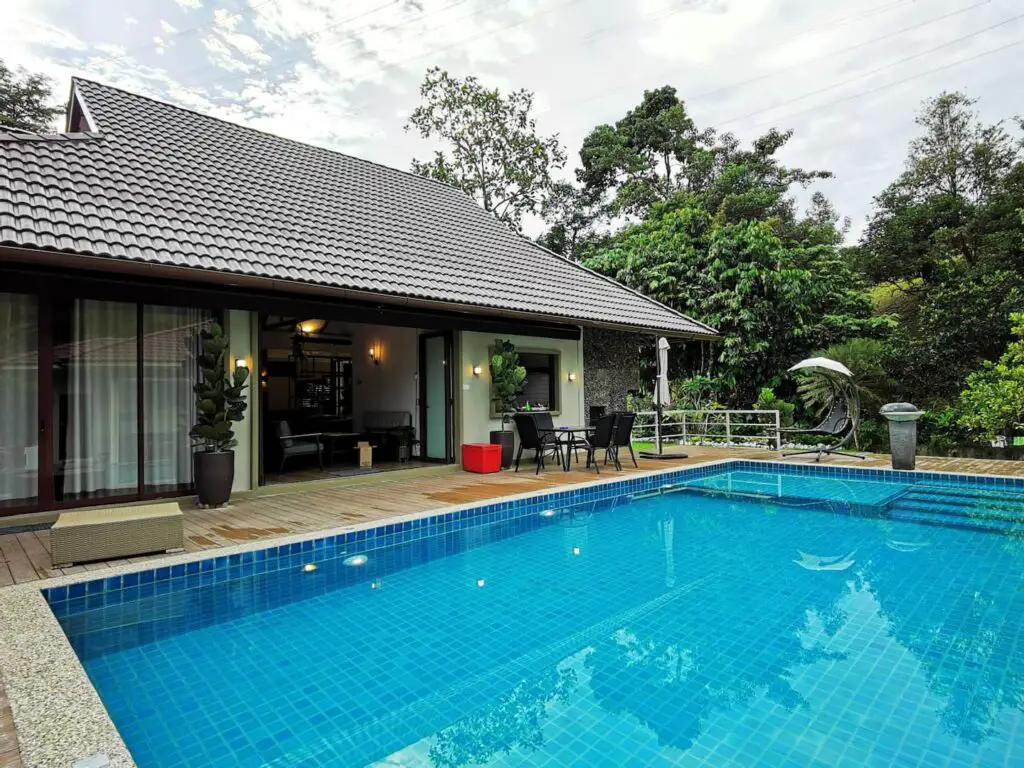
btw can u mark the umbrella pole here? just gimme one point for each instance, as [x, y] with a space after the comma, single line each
[657, 422]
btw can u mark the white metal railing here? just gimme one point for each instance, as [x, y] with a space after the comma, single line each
[684, 427]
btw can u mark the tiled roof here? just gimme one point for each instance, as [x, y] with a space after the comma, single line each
[162, 184]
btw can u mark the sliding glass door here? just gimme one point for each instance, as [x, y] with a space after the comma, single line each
[96, 400]
[19, 401]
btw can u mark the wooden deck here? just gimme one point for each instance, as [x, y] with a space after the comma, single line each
[289, 509]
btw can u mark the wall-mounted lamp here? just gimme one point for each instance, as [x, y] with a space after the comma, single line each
[241, 362]
[477, 370]
[311, 327]
[376, 352]
[572, 376]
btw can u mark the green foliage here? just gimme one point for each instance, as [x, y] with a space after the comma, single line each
[772, 301]
[993, 403]
[220, 396]
[767, 400]
[507, 378]
[25, 101]
[494, 153]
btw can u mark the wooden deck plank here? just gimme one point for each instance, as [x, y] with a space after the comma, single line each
[37, 554]
[17, 560]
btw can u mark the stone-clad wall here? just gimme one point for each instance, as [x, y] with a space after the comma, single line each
[611, 367]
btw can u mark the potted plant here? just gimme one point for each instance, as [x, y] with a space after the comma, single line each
[220, 401]
[507, 380]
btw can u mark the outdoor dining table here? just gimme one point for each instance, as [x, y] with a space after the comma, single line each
[571, 433]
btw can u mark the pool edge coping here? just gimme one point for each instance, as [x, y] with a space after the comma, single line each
[59, 716]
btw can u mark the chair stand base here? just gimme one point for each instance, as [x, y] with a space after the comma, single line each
[825, 452]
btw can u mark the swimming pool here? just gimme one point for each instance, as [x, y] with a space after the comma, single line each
[730, 616]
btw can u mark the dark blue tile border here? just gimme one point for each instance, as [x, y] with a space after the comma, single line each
[217, 568]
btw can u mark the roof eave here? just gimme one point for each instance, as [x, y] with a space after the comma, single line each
[115, 265]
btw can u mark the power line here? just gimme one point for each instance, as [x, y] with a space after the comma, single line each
[894, 83]
[869, 72]
[773, 73]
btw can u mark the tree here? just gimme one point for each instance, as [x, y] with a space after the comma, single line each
[947, 241]
[656, 152]
[993, 403]
[25, 101]
[571, 213]
[495, 154]
[650, 154]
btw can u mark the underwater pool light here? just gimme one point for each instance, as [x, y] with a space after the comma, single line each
[356, 560]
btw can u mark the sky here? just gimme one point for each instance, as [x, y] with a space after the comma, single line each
[847, 76]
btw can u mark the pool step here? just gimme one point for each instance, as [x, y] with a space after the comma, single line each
[967, 518]
[1005, 500]
[965, 508]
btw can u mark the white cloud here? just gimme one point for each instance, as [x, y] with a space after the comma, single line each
[190, 5]
[167, 27]
[130, 21]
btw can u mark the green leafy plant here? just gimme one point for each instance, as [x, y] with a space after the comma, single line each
[767, 400]
[993, 402]
[507, 378]
[220, 397]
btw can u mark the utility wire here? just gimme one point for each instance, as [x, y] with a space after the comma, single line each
[868, 73]
[894, 83]
[773, 73]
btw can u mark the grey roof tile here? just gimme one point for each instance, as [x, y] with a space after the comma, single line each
[167, 185]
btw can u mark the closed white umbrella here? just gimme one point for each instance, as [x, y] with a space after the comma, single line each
[664, 397]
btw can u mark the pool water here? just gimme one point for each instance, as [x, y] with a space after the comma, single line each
[682, 629]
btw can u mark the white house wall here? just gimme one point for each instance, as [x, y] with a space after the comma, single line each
[475, 390]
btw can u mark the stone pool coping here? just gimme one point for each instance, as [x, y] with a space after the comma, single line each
[59, 716]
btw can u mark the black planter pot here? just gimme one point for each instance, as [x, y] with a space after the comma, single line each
[214, 473]
[507, 441]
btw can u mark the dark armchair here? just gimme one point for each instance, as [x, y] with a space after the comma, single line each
[308, 444]
[602, 437]
[532, 439]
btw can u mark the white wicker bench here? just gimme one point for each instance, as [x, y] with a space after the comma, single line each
[106, 534]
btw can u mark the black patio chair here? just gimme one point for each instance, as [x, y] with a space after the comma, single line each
[531, 439]
[601, 437]
[623, 438]
[308, 444]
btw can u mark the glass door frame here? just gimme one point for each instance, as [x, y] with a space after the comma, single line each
[449, 400]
